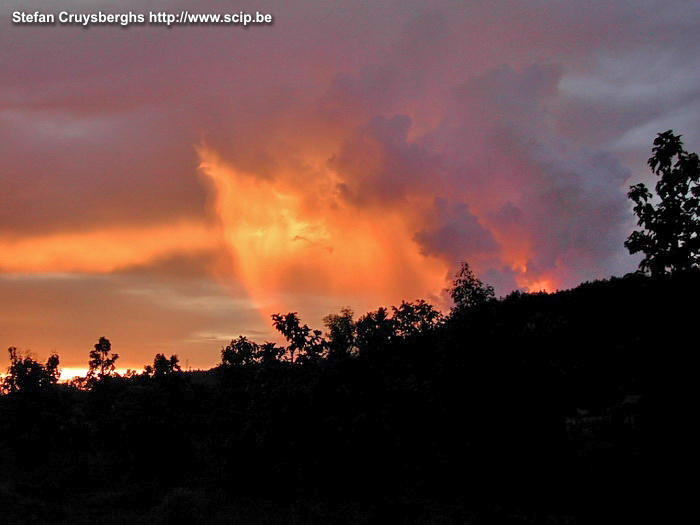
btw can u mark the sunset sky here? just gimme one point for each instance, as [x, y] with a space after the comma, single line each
[171, 188]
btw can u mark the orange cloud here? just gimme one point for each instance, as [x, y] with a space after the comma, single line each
[287, 238]
[104, 250]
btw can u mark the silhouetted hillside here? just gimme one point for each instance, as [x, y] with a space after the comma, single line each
[526, 409]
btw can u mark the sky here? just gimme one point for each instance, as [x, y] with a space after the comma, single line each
[170, 188]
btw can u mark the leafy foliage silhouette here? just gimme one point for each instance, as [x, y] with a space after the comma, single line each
[670, 240]
[468, 291]
[341, 332]
[305, 344]
[27, 375]
[101, 363]
[240, 352]
[412, 319]
[163, 366]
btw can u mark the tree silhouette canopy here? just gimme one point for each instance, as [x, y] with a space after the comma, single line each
[240, 352]
[670, 239]
[27, 375]
[162, 366]
[341, 332]
[468, 291]
[102, 361]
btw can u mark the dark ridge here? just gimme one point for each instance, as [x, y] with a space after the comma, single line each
[534, 408]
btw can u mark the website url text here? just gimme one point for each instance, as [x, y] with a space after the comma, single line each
[163, 18]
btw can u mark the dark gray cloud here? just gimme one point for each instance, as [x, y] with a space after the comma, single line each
[457, 234]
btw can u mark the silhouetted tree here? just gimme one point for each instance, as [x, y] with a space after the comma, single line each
[468, 291]
[411, 319]
[341, 332]
[240, 352]
[374, 330]
[102, 361]
[305, 343]
[163, 366]
[670, 240]
[27, 375]
[269, 353]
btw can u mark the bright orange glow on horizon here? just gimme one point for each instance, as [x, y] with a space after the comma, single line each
[71, 372]
[539, 286]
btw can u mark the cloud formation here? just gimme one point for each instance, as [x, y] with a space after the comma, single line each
[351, 153]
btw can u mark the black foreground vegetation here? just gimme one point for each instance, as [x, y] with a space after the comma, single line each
[534, 408]
[523, 408]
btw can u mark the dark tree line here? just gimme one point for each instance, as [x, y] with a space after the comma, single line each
[525, 406]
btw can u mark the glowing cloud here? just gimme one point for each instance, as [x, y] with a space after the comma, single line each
[281, 245]
[355, 155]
[102, 251]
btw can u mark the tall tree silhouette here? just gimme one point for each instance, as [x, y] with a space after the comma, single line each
[102, 361]
[670, 240]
